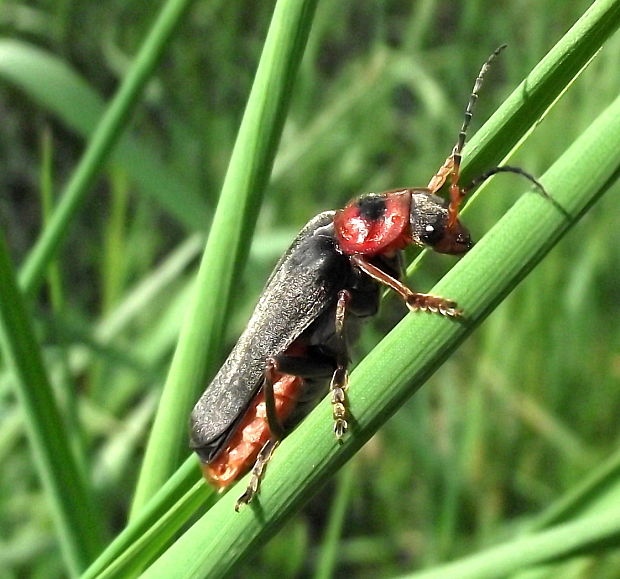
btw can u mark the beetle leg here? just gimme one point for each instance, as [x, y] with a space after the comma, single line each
[340, 377]
[316, 366]
[275, 426]
[451, 168]
[313, 365]
[415, 301]
[257, 472]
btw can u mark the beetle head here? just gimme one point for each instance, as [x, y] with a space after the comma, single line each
[429, 222]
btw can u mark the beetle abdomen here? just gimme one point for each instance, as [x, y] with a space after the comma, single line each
[242, 449]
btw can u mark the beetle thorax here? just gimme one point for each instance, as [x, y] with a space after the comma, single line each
[374, 224]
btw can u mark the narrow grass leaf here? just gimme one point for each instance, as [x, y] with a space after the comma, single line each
[104, 138]
[228, 242]
[51, 83]
[599, 490]
[68, 391]
[399, 365]
[567, 540]
[73, 509]
[153, 528]
[327, 561]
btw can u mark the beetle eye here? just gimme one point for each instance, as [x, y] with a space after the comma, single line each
[431, 234]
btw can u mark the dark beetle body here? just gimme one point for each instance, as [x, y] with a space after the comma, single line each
[297, 304]
[296, 339]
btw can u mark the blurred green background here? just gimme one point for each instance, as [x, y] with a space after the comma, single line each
[525, 409]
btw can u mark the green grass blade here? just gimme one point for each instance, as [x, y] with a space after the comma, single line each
[405, 358]
[530, 101]
[595, 495]
[569, 539]
[51, 83]
[589, 24]
[228, 242]
[153, 528]
[68, 392]
[327, 560]
[101, 144]
[78, 525]
[599, 490]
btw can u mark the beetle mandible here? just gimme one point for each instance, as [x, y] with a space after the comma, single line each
[296, 340]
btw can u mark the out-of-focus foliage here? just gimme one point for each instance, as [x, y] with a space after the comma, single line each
[516, 419]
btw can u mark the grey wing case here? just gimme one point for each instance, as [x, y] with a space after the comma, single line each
[297, 292]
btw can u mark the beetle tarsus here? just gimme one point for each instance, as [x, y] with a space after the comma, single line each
[276, 430]
[258, 470]
[340, 377]
[337, 387]
[433, 304]
[415, 301]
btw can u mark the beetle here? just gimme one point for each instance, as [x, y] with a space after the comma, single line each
[295, 346]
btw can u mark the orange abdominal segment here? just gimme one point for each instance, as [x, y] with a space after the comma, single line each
[253, 432]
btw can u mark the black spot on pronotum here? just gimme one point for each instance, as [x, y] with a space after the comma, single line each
[371, 207]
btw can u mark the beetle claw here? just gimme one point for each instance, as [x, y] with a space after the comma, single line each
[340, 427]
[244, 499]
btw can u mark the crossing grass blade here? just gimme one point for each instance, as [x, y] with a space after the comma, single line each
[567, 540]
[100, 146]
[78, 523]
[50, 82]
[226, 250]
[407, 357]
[566, 59]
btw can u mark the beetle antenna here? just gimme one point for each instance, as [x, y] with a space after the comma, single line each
[456, 194]
[505, 169]
[518, 171]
